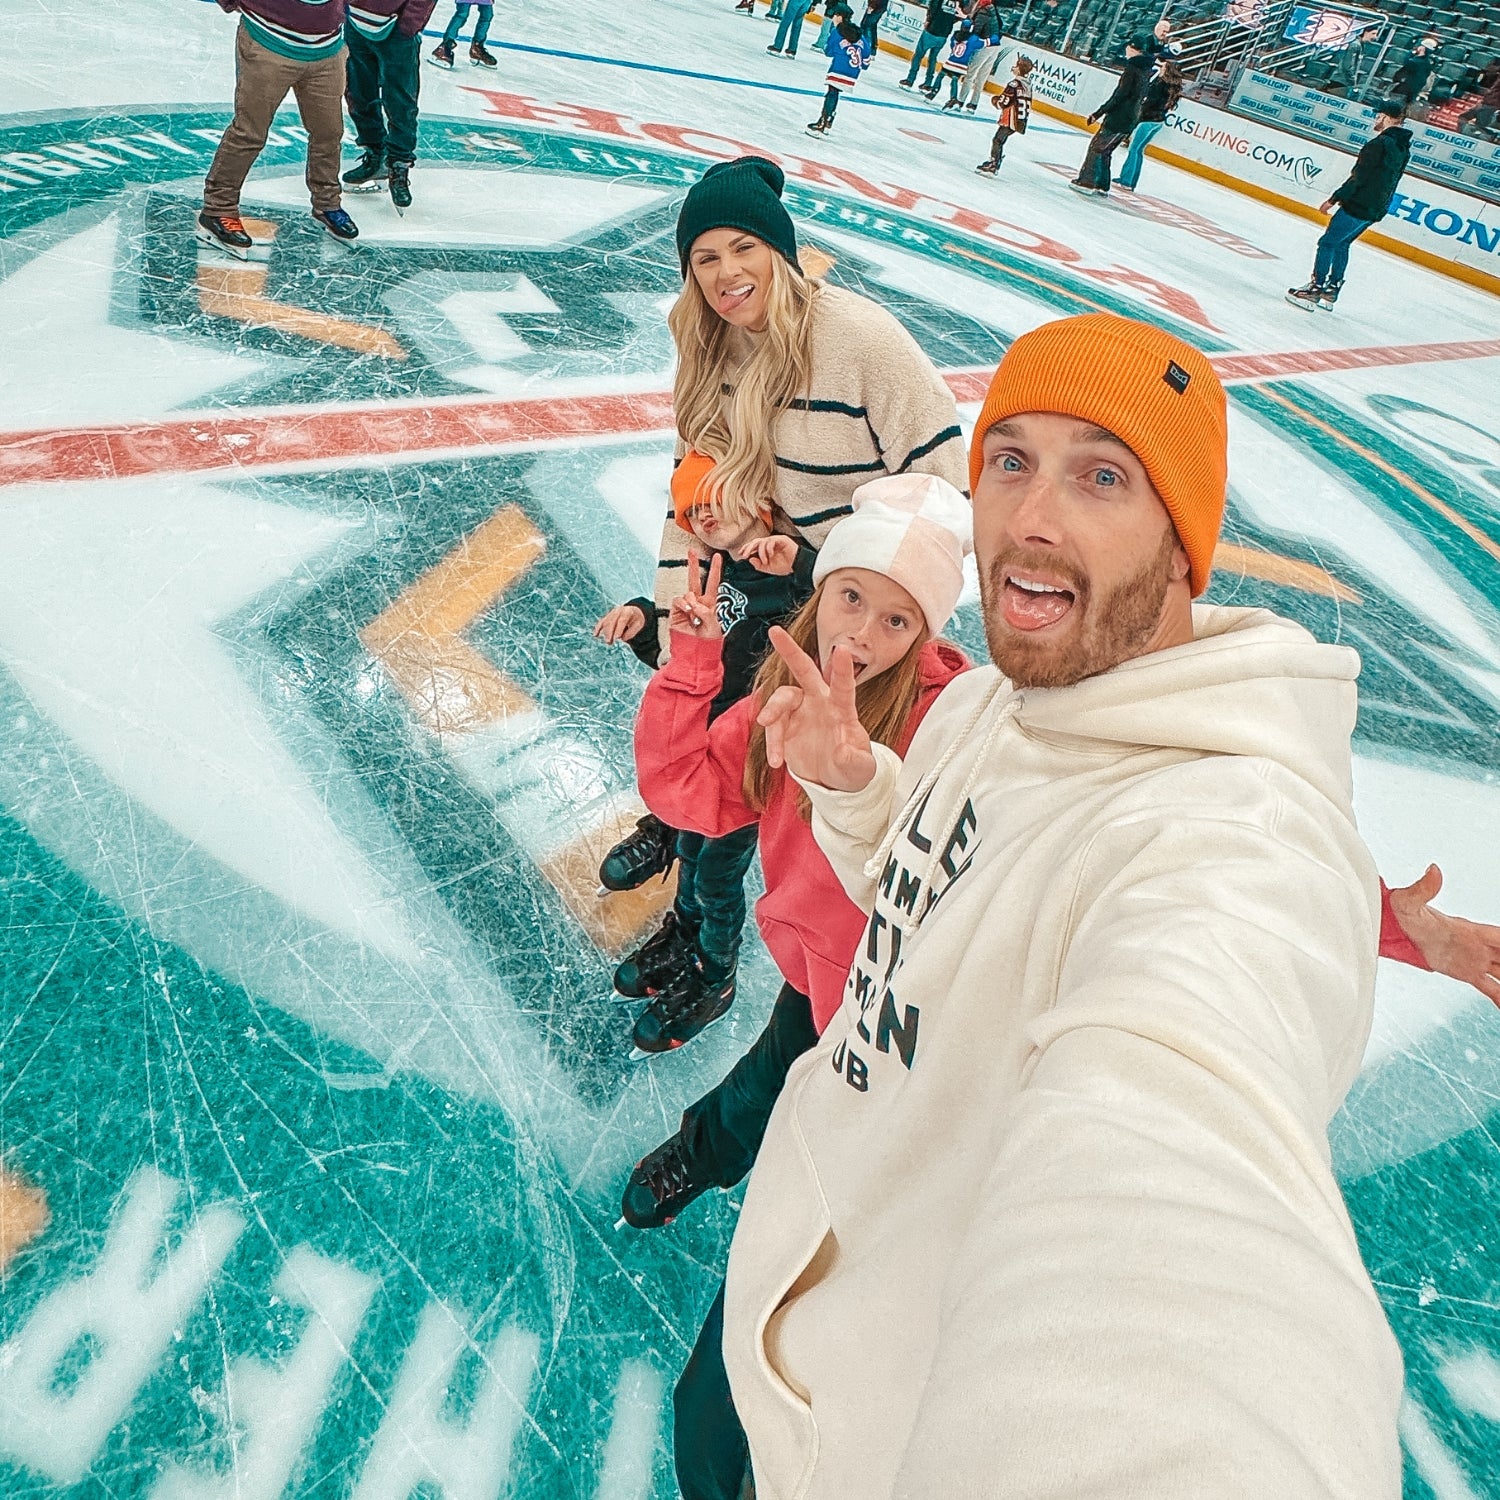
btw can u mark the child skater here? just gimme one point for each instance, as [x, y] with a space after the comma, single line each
[479, 55]
[849, 51]
[687, 967]
[1014, 104]
[962, 50]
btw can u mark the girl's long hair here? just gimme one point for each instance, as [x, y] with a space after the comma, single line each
[1171, 76]
[743, 445]
[884, 703]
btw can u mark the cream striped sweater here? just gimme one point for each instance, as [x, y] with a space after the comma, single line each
[876, 406]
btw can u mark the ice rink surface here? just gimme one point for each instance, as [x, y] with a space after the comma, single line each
[314, 1107]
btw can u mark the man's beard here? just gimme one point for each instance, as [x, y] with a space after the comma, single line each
[1110, 630]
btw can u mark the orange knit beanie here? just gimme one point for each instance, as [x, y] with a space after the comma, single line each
[688, 480]
[1158, 395]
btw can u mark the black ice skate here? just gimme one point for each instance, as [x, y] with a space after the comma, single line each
[930, 94]
[442, 54]
[690, 1004]
[337, 223]
[821, 126]
[226, 231]
[1306, 297]
[479, 57]
[1330, 296]
[661, 1186]
[952, 104]
[367, 175]
[774, 51]
[905, 83]
[650, 851]
[988, 168]
[400, 181]
[663, 958]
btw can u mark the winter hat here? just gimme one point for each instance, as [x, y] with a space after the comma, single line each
[740, 194]
[914, 528]
[1158, 395]
[688, 478]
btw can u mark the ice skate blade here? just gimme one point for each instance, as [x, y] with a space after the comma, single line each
[621, 1224]
[206, 239]
[377, 186]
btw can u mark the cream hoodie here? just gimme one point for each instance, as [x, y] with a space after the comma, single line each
[1048, 1212]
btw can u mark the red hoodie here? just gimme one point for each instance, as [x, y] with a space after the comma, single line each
[692, 776]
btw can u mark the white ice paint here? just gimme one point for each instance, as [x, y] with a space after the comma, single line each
[1433, 1461]
[272, 1412]
[108, 603]
[415, 1443]
[128, 1308]
[630, 1450]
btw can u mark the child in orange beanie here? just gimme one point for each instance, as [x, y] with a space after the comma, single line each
[766, 578]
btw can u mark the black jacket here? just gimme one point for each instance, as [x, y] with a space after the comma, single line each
[1159, 101]
[1121, 112]
[1368, 191]
[942, 16]
[750, 603]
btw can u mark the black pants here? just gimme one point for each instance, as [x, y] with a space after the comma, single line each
[381, 92]
[830, 102]
[724, 1131]
[711, 890]
[1095, 169]
[997, 146]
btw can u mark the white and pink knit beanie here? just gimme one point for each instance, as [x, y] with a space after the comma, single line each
[914, 528]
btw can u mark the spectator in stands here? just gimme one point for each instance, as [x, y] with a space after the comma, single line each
[1160, 44]
[1482, 115]
[1354, 61]
[942, 16]
[1415, 73]
[1363, 199]
[1162, 94]
[1116, 118]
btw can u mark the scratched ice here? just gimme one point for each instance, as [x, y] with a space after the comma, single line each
[314, 1109]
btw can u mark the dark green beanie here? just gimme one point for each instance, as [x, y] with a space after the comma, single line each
[741, 194]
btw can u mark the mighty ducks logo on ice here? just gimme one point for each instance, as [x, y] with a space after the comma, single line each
[307, 774]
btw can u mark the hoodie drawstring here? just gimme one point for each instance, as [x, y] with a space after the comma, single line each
[875, 865]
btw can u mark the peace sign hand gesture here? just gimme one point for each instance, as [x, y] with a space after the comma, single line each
[813, 728]
[696, 612]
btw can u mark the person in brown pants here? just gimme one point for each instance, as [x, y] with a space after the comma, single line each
[283, 46]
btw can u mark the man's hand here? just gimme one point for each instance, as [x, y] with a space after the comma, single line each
[770, 554]
[697, 611]
[1463, 950]
[623, 623]
[813, 728]
[1327, 206]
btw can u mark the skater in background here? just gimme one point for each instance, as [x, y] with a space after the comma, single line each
[888, 579]
[479, 55]
[849, 53]
[869, 25]
[1362, 199]
[984, 23]
[1014, 104]
[963, 48]
[765, 579]
[942, 16]
[281, 47]
[1159, 100]
[384, 78]
[832, 15]
[798, 391]
[1116, 118]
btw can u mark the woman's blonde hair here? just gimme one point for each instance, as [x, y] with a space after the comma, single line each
[743, 447]
[884, 703]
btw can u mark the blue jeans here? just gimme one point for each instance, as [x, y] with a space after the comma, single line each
[928, 48]
[461, 14]
[711, 889]
[1144, 133]
[1333, 249]
[791, 26]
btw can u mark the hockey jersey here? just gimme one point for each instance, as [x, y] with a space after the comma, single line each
[962, 50]
[847, 60]
[1014, 104]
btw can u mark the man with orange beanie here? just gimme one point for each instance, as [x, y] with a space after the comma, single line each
[1048, 1212]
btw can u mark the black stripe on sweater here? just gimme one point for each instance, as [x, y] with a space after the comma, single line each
[671, 562]
[923, 449]
[819, 516]
[838, 408]
[877, 467]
